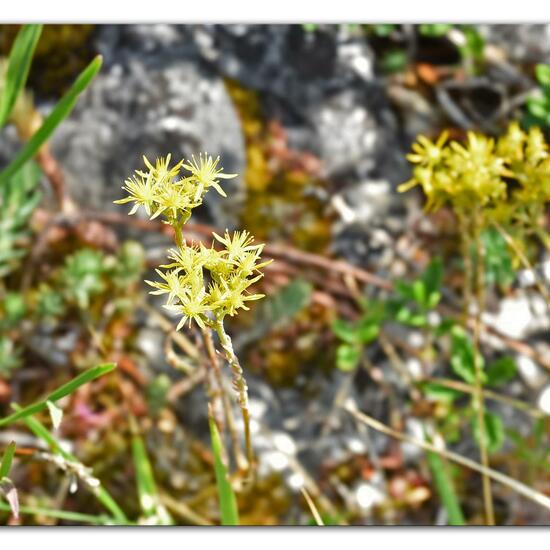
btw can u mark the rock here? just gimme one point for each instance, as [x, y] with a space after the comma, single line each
[523, 43]
[152, 97]
[321, 80]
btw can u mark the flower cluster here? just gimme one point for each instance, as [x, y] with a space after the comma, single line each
[161, 190]
[230, 272]
[497, 174]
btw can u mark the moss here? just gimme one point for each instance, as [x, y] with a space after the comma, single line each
[279, 181]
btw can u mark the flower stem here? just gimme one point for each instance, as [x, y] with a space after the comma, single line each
[178, 234]
[215, 366]
[239, 385]
[479, 286]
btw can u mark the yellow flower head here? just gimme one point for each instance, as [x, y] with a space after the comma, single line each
[482, 172]
[206, 173]
[162, 192]
[141, 191]
[202, 284]
[224, 291]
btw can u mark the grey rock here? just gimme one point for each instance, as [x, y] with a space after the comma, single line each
[149, 99]
[322, 81]
[523, 43]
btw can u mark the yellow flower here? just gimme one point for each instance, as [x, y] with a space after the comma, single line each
[233, 296]
[174, 285]
[161, 173]
[170, 201]
[206, 173]
[141, 190]
[186, 257]
[192, 306]
[228, 271]
[426, 152]
[238, 245]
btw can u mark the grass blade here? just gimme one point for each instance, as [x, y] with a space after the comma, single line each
[149, 498]
[445, 489]
[7, 459]
[100, 492]
[77, 517]
[66, 389]
[58, 114]
[19, 63]
[226, 496]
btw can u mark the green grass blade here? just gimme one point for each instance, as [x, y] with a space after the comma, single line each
[100, 492]
[7, 459]
[58, 114]
[64, 390]
[77, 517]
[19, 63]
[226, 496]
[445, 488]
[146, 486]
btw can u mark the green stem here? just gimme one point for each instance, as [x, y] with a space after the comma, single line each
[479, 286]
[64, 515]
[239, 384]
[215, 365]
[178, 234]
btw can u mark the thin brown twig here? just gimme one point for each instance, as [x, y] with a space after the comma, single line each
[314, 512]
[499, 477]
[313, 260]
[488, 394]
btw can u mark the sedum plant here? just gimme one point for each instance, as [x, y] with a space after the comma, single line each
[491, 185]
[202, 284]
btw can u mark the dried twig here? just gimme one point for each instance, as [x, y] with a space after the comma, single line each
[501, 478]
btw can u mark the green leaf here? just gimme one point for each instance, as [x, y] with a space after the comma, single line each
[226, 496]
[347, 357]
[500, 371]
[405, 290]
[345, 331]
[435, 30]
[394, 61]
[62, 514]
[149, 499]
[475, 44]
[368, 331]
[7, 459]
[433, 279]
[539, 107]
[498, 261]
[419, 292]
[279, 309]
[408, 317]
[494, 431]
[462, 356]
[445, 488]
[66, 389]
[19, 63]
[440, 392]
[444, 327]
[58, 114]
[382, 30]
[309, 27]
[18, 199]
[14, 309]
[542, 74]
